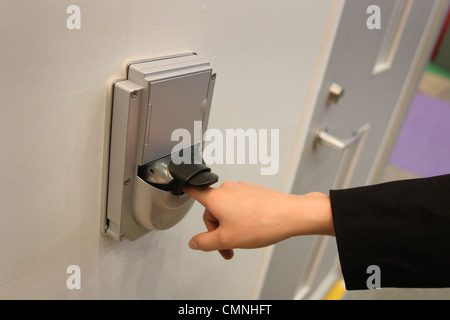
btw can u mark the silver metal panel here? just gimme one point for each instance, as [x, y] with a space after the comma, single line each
[122, 165]
[174, 103]
[170, 90]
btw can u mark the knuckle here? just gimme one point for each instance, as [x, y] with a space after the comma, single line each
[227, 184]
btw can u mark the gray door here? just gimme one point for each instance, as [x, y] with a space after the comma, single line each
[368, 68]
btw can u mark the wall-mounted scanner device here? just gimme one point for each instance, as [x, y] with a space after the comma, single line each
[146, 178]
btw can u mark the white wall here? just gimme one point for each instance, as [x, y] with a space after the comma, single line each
[54, 107]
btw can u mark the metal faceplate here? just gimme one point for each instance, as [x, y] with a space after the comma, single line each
[158, 97]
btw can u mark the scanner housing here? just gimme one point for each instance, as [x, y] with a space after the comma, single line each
[145, 185]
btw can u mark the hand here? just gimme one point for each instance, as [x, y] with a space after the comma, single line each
[244, 215]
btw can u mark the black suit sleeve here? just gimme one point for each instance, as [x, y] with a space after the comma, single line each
[403, 227]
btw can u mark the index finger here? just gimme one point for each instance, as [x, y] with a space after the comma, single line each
[199, 194]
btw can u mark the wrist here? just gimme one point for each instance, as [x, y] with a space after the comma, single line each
[314, 215]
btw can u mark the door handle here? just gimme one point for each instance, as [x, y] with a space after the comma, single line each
[336, 143]
[351, 148]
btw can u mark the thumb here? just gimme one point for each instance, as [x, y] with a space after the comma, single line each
[207, 242]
